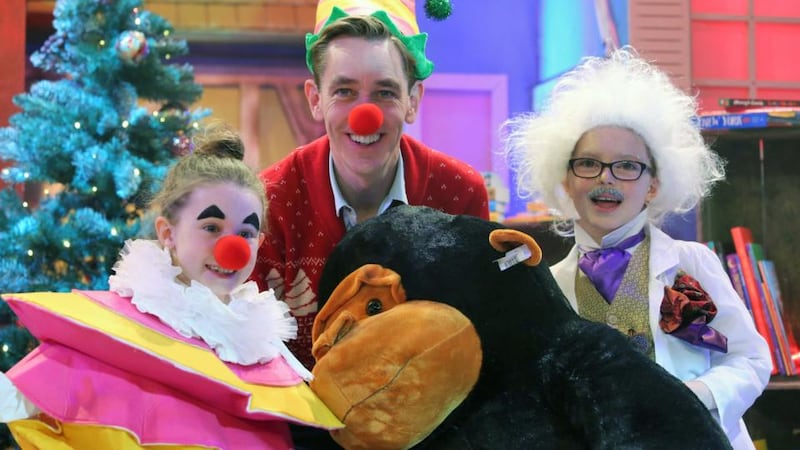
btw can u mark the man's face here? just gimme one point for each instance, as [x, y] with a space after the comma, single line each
[358, 71]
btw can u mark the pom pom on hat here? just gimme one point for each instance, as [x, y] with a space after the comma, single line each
[438, 9]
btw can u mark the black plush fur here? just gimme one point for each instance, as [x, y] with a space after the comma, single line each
[550, 379]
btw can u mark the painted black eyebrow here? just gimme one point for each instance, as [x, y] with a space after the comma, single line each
[211, 211]
[252, 219]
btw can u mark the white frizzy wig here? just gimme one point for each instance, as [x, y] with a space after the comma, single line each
[621, 90]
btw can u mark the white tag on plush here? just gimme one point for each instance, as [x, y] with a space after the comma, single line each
[513, 257]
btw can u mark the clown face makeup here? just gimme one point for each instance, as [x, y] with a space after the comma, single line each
[210, 212]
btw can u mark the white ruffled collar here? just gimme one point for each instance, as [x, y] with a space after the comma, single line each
[250, 329]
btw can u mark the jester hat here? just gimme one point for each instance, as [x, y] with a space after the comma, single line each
[398, 16]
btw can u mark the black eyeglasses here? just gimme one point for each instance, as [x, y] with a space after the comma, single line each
[624, 170]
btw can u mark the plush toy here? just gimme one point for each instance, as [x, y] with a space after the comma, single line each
[365, 312]
[397, 357]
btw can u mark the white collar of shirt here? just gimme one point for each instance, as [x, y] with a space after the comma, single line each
[586, 243]
[396, 193]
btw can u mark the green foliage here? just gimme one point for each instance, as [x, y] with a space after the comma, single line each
[93, 146]
[16, 342]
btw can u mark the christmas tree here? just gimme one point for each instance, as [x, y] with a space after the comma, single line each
[97, 141]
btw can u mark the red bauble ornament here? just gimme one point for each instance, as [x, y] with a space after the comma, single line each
[132, 46]
[181, 145]
[232, 252]
[365, 119]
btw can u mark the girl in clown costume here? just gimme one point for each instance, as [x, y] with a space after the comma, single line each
[182, 352]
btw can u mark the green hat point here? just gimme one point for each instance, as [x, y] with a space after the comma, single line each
[438, 9]
[415, 44]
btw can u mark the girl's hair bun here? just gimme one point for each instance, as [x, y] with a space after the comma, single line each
[221, 141]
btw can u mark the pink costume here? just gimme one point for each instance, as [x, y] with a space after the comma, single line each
[110, 376]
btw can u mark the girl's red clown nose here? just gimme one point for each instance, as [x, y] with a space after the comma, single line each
[232, 252]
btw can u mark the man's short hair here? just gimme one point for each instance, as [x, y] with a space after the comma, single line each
[366, 27]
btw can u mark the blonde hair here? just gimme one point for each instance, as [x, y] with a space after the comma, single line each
[217, 158]
[621, 90]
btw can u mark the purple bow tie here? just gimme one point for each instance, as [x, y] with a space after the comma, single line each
[605, 267]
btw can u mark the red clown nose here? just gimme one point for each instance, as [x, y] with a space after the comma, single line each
[365, 119]
[232, 252]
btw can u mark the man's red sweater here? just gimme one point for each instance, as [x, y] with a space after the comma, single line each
[303, 228]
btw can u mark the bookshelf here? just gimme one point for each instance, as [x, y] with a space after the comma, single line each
[762, 192]
[773, 418]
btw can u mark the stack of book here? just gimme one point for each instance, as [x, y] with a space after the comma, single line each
[754, 278]
[751, 113]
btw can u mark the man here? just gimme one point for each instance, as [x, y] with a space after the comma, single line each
[324, 188]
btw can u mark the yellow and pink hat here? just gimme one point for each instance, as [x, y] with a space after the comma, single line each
[398, 15]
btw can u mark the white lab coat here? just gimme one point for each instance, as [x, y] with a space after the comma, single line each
[735, 378]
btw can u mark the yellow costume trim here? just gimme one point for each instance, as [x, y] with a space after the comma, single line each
[36, 434]
[297, 401]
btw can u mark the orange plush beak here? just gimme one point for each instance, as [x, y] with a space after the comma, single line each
[392, 370]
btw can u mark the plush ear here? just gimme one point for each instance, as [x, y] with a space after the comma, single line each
[505, 239]
[337, 330]
[366, 291]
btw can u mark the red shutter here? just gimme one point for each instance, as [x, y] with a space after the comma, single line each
[659, 30]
